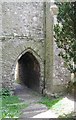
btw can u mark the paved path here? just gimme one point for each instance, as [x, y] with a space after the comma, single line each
[31, 98]
[36, 110]
[64, 107]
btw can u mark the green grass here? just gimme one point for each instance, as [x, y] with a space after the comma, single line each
[0, 108]
[10, 106]
[70, 115]
[10, 100]
[48, 102]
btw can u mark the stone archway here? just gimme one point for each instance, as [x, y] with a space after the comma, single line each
[28, 71]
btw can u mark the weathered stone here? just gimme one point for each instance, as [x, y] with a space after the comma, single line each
[28, 27]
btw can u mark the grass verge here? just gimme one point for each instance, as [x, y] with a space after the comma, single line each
[10, 106]
[48, 102]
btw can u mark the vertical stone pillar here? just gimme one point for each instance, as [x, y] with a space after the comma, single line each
[48, 28]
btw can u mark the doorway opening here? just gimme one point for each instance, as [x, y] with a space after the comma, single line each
[28, 71]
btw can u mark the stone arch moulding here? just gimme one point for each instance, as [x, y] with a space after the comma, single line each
[31, 51]
[41, 64]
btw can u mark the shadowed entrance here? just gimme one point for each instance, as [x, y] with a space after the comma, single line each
[29, 71]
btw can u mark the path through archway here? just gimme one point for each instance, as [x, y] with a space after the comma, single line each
[29, 71]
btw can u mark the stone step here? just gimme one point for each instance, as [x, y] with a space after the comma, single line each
[31, 114]
[33, 110]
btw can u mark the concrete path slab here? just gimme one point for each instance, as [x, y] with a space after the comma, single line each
[47, 114]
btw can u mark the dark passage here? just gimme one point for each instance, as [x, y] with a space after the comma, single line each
[29, 71]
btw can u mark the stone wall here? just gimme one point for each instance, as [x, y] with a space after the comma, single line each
[23, 19]
[12, 50]
[22, 25]
[28, 27]
[61, 75]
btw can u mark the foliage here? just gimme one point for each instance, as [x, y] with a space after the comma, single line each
[71, 87]
[65, 33]
[48, 102]
[4, 92]
[70, 115]
[11, 105]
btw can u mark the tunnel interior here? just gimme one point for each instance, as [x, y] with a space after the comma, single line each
[29, 71]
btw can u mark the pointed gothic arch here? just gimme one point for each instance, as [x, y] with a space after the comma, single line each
[28, 69]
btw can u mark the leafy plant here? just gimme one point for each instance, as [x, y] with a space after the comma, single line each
[5, 92]
[65, 33]
[71, 87]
